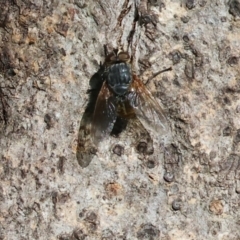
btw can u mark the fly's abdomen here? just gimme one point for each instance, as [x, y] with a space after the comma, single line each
[119, 78]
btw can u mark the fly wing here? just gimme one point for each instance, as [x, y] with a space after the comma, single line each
[85, 148]
[146, 107]
[104, 116]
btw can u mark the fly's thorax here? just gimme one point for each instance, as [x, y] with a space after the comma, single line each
[119, 77]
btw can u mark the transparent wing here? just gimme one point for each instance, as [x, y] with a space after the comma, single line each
[85, 148]
[104, 116]
[146, 107]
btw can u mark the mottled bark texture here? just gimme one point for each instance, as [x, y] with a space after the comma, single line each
[185, 188]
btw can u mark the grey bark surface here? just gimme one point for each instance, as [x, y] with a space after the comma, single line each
[188, 187]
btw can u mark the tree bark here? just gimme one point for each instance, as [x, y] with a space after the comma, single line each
[138, 185]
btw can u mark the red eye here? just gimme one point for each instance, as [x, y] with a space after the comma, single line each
[112, 57]
[123, 56]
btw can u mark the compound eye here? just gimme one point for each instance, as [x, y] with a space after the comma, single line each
[123, 56]
[111, 58]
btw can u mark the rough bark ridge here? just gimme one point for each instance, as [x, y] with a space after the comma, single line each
[186, 189]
